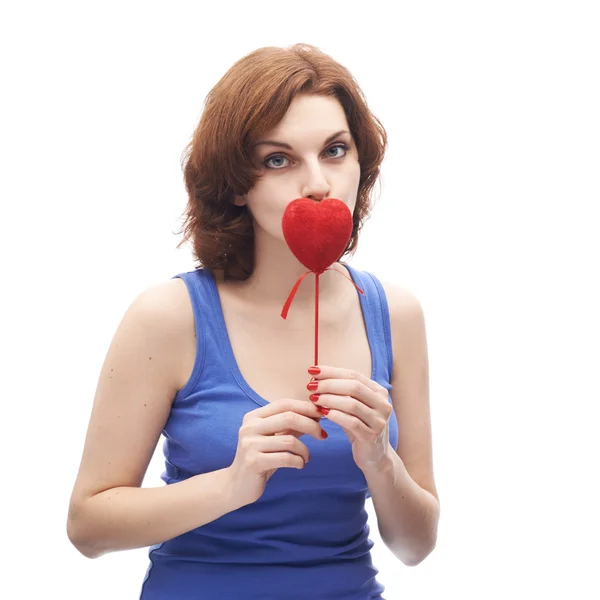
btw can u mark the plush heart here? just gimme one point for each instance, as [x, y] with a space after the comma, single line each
[317, 232]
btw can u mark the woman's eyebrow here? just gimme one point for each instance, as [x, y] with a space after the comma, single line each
[282, 145]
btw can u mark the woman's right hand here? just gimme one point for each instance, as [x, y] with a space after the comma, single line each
[268, 440]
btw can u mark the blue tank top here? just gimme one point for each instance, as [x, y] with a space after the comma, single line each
[307, 536]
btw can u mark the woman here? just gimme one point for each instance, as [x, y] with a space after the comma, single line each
[206, 359]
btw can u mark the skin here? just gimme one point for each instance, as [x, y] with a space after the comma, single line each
[350, 398]
[310, 170]
[152, 355]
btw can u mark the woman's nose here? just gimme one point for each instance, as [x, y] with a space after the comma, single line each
[315, 197]
[317, 188]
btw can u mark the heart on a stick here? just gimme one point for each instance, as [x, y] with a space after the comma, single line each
[317, 232]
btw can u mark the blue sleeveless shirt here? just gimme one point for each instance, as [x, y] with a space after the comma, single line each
[307, 536]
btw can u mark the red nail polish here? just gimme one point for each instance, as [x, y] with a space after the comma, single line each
[323, 410]
[314, 370]
[314, 397]
[324, 434]
[312, 386]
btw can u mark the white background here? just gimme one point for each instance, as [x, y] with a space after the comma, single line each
[487, 211]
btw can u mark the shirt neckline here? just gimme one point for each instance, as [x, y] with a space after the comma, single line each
[228, 348]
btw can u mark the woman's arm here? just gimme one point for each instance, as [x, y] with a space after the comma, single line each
[109, 510]
[123, 518]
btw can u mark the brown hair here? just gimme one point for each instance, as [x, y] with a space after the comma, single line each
[249, 100]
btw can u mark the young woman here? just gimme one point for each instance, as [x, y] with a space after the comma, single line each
[206, 359]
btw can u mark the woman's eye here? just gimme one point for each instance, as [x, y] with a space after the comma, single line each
[282, 157]
[338, 147]
[277, 157]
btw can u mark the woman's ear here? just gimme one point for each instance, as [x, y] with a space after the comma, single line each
[239, 200]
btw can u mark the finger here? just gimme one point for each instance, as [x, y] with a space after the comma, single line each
[269, 444]
[349, 406]
[296, 433]
[286, 404]
[351, 389]
[349, 374]
[290, 421]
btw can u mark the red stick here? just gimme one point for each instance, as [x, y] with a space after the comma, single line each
[288, 303]
[316, 320]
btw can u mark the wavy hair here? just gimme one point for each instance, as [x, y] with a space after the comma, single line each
[249, 100]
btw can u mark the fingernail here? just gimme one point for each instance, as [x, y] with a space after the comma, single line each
[323, 410]
[314, 397]
[312, 386]
[314, 370]
[324, 434]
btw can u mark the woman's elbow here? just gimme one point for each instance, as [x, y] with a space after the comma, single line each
[75, 534]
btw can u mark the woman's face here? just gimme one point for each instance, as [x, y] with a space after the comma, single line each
[316, 165]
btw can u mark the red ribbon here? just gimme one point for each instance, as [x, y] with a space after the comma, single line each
[288, 303]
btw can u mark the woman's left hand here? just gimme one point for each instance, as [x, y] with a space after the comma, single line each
[360, 407]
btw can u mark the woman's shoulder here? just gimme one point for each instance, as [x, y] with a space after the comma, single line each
[168, 301]
[397, 295]
[169, 314]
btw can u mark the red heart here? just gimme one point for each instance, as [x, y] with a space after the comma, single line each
[317, 232]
